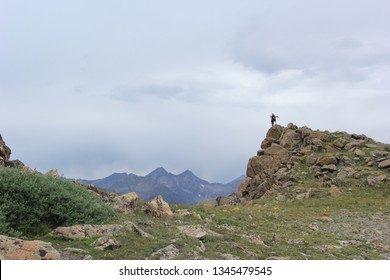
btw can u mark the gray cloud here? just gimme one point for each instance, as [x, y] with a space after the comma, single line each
[92, 88]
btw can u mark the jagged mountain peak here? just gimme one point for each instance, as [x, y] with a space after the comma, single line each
[160, 171]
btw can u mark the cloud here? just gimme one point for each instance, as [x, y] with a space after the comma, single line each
[130, 86]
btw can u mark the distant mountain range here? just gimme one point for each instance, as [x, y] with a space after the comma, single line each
[184, 188]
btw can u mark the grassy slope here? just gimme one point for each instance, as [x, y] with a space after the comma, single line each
[300, 229]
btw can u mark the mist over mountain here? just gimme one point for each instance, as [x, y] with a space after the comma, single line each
[184, 188]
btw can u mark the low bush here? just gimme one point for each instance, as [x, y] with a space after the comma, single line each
[31, 202]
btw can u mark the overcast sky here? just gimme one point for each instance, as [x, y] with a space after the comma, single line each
[92, 87]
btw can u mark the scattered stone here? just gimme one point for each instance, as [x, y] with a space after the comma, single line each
[131, 227]
[301, 196]
[327, 160]
[280, 198]
[330, 167]
[229, 257]
[384, 164]
[353, 144]
[326, 219]
[375, 180]
[186, 213]
[314, 226]
[278, 258]
[345, 172]
[167, 253]
[360, 153]
[379, 154]
[339, 143]
[18, 249]
[201, 248]
[295, 241]
[105, 243]
[335, 192]
[352, 243]
[253, 238]
[76, 250]
[198, 231]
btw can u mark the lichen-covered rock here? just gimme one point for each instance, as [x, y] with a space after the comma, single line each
[18, 249]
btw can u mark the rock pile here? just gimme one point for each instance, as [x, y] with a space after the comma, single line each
[332, 159]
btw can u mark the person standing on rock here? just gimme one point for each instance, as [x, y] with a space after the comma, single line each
[273, 119]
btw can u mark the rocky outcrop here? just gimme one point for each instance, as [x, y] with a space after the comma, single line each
[332, 159]
[5, 152]
[18, 249]
[5, 155]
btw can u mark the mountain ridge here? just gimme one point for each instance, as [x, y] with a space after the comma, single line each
[182, 188]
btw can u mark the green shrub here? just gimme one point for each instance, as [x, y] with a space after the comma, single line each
[31, 202]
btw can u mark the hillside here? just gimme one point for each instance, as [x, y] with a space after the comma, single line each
[308, 194]
[184, 188]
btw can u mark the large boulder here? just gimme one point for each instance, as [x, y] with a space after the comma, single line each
[158, 207]
[275, 132]
[125, 203]
[327, 160]
[258, 165]
[290, 139]
[385, 164]
[18, 249]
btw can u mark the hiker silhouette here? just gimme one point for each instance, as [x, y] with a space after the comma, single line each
[273, 119]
